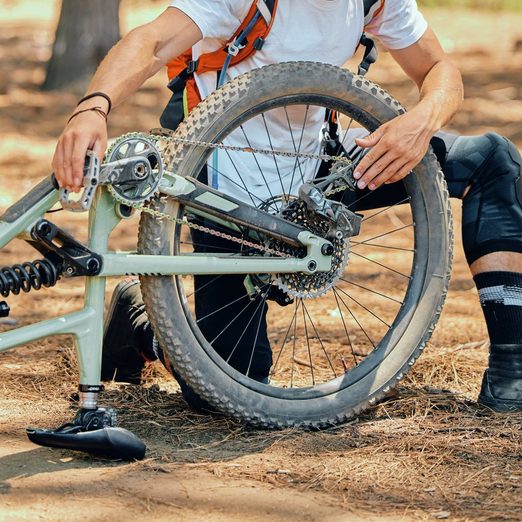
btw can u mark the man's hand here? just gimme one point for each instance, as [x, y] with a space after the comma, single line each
[397, 147]
[138, 56]
[87, 131]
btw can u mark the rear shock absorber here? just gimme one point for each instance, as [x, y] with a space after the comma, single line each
[29, 276]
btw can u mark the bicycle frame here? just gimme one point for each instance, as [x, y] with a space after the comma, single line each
[86, 325]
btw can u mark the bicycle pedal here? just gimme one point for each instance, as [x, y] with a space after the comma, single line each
[110, 442]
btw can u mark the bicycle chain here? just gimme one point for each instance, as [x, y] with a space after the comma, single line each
[167, 135]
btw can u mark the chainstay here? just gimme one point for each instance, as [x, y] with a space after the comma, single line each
[179, 221]
[166, 135]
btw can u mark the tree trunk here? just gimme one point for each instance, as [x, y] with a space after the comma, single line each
[86, 31]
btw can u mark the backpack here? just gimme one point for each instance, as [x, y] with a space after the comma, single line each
[248, 38]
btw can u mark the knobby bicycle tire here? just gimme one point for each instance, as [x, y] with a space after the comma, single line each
[344, 396]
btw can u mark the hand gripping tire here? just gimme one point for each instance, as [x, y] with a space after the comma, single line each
[355, 350]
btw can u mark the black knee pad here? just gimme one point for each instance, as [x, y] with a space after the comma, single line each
[492, 209]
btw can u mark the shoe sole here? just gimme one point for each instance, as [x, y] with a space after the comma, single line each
[500, 406]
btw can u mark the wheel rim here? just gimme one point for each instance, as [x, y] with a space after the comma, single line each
[328, 343]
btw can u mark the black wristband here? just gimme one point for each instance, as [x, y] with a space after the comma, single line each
[97, 110]
[94, 95]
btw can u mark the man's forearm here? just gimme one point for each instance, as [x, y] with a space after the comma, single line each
[398, 145]
[129, 63]
[441, 94]
[141, 53]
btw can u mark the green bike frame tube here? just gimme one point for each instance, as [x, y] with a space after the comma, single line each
[86, 325]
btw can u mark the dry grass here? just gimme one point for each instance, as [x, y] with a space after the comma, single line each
[427, 451]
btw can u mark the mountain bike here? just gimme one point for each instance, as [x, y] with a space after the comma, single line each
[345, 285]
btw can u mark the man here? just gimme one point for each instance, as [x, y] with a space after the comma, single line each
[483, 171]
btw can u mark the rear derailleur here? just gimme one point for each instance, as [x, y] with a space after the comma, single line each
[343, 222]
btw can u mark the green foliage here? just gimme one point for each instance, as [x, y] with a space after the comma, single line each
[494, 5]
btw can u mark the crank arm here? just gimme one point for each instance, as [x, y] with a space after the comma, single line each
[108, 171]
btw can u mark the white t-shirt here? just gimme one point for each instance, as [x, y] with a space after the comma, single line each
[325, 31]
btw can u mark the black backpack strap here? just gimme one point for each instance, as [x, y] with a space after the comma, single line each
[370, 49]
[370, 55]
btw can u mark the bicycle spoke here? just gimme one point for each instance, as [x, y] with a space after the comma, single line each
[362, 306]
[285, 339]
[344, 137]
[229, 323]
[222, 308]
[385, 234]
[362, 243]
[380, 264]
[358, 200]
[256, 337]
[204, 286]
[293, 348]
[354, 318]
[385, 209]
[274, 156]
[257, 162]
[261, 302]
[228, 178]
[301, 141]
[308, 343]
[372, 291]
[295, 150]
[241, 178]
[319, 339]
[345, 328]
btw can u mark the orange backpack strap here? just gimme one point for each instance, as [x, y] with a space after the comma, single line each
[248, 38]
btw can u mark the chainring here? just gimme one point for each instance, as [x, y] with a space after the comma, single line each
[303, 285]
[139, 181]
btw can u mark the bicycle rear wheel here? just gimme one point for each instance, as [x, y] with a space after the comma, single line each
[341, 346]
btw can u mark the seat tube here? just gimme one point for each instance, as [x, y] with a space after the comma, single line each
[89, 339]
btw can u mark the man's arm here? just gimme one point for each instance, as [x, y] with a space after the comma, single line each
[399, 145]
[137, 57]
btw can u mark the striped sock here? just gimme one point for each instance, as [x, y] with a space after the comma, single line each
[500, 295]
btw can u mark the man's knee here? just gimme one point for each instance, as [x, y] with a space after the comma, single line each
[492, 209]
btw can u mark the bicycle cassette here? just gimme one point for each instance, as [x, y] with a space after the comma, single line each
[133, 168]
[307, 286]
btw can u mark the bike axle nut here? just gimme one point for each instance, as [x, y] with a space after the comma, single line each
[312, 266]
[327, 249]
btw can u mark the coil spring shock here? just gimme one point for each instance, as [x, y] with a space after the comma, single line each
[28, 276]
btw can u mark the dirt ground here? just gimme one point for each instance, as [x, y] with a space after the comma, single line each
[426, 453]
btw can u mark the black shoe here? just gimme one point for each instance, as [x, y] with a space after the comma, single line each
[501, 388]
[127, 338]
